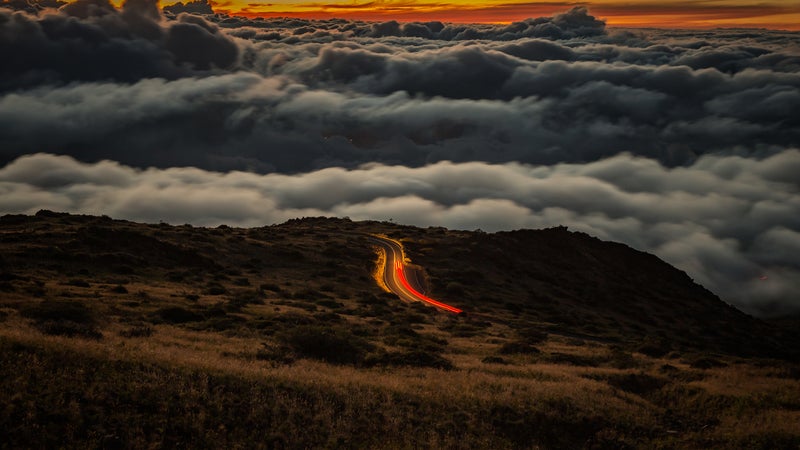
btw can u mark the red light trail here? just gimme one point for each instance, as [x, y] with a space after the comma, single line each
[401, 275]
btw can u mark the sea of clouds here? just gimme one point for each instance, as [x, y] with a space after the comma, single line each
[683, 144]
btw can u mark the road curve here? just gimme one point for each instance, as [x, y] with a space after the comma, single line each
[394, 275]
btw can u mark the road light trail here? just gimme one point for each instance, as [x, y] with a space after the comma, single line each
[424, 298]
[394, 275]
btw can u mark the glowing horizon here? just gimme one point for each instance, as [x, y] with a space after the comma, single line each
[777, 14]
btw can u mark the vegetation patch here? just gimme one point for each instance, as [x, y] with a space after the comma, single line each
[177, 315]
[137, 332]
[494, 360]
[636, 383]
[336, 345]
[518, 347]
[63, 318]
[705, 362]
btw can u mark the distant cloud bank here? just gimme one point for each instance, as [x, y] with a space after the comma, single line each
[680, 143]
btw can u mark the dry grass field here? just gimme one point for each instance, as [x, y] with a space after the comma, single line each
[122, 335]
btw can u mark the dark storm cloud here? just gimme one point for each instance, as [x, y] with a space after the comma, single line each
[344, 93]
[90, 40]
[682, 214]
[451, 104]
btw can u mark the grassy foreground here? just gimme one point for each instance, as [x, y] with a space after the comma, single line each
[63, 392]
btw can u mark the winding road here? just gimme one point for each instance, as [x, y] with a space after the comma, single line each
[396, 275]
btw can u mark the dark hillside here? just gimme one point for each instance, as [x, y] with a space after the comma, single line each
[574, 283]
[554, 280]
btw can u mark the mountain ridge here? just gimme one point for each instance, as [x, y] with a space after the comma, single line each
[552, 279]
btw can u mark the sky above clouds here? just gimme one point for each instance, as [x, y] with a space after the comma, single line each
[683, 143]
[774, 14]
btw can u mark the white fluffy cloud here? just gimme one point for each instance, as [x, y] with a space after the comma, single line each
[728, 221]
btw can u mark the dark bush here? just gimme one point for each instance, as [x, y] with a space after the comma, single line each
[280, 354]
[176, 314]
[270, 287]
[412, 317]
[70, 329]
[335, 345]
[78, 283]
[518, 347]
[332, 304]
[668, 369]
[636, 383]
[220, 323]
[705, 362]
[455, 288]
[35, 291]
[63, 318]
[494, 360]
[122, 269]
[621, 359]
[59, 310]
[655, 348]
[328, 317]
[411, 358]
[176, 277]
[119, 289]
[462, 329]
[575, 360]
[243, 298]
[214, 289]
[140, 331]
[532, 335]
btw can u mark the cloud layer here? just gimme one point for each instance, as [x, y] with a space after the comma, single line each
[680, 143]
[294, 95]
[683, 215]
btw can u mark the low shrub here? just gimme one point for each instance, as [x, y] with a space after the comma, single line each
[63, 318]
[176, 315]
[518, 347]
[215, 289]
[410, 358]
[575, 360]
[532, 335]
[705, 362]
[59, 310]
[270, 287]
[636, 383]
[224, 323]
[119, 289]
[241, 299]
[332, 304]
[494, 360]
[69, 329]
[335, 345]
[655, 348]
[78, 283]
[279, 354]
[135, 332]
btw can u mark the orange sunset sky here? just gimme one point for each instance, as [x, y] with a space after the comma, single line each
[776, 14]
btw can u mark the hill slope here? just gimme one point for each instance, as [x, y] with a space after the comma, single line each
[567, 341]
